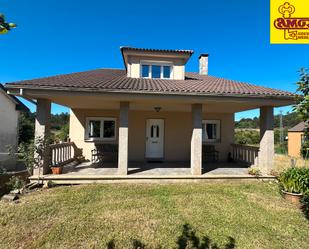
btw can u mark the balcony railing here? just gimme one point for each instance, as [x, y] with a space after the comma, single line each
[63, 153]
[245, 154]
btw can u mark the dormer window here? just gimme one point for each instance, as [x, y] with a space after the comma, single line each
[154, 70]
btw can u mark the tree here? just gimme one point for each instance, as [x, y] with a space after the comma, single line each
[26, 127]
[64, 133]
[5, 26]
[302, 106]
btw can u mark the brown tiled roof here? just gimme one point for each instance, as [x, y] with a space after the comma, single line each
[299, 127]
[116, 80]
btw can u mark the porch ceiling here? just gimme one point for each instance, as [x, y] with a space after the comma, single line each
[146, 105]
[214, 104]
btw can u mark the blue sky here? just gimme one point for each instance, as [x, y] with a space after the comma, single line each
[63, 36]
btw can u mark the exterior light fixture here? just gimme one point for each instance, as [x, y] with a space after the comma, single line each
[157, 108]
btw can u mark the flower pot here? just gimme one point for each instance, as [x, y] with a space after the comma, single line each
[56, 170]
[292, 197]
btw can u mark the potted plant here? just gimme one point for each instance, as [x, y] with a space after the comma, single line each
[56, 170]
[294, 183]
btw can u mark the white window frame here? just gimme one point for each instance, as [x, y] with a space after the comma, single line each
[157, 63]
[101, 138]
[218, 130]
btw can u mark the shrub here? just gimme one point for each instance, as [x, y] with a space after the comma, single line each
[305, 205]
[305, 149]
[281, 148]
[16, 183]
[254, 171]
[2, 171]
[295, 180]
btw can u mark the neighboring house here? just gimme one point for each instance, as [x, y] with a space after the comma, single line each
[10, 108]
[296, 138]
[153, 110]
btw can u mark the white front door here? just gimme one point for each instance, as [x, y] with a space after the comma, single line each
[154, 138]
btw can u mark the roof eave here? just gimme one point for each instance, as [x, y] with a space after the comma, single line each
[171, 93]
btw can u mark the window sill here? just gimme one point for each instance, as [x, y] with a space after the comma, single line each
[218, 141]
[100, 140]
[148, 78]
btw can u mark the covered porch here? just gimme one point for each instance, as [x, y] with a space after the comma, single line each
[183, 136]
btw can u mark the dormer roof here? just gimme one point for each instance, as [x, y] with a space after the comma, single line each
[160, 53]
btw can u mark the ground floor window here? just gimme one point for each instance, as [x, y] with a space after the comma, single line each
[100, 128]
[211, 130]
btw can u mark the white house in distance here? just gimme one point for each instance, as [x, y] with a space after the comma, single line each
[10, 108]
[153, 110]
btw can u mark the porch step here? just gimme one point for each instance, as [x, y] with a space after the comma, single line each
[86, 179]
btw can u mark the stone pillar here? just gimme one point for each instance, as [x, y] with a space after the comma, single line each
[196, 140]
[267, 150]
[123, 138]
[42, 127]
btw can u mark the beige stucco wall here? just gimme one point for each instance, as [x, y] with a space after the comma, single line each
[8, 123]
[177, 139]
[294, 143]
[134, 66]
[8, 128]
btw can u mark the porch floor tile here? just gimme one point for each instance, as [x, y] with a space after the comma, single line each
[155, 169]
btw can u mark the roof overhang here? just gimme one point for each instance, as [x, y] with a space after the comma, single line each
[63, 96]
[19, 106]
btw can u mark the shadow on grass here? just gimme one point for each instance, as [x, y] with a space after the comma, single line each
[187, 240]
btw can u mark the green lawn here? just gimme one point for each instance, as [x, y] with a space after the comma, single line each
[210, 215]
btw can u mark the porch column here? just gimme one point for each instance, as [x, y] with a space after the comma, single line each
[267, 151]
[196, 140]
[123, 138]
[42, 127]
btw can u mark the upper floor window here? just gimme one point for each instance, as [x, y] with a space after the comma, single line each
[156, 71]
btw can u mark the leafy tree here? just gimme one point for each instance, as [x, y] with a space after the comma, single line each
[59, 120]
[5, 26]
[302, 106]
[64, 133]
[26, 127]
[289, 120]
[59, 124]
[249, 137]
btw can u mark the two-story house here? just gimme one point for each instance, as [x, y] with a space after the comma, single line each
[153, 110]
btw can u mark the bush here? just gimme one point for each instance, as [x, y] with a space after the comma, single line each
[254, 171]
[305, 205]
[295, 180]
[305, 149]
[16, 183]
[2, 171]
[281, 148]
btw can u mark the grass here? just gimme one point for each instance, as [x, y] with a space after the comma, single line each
[283, 162]
[221, 214]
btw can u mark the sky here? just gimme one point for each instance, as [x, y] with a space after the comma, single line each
[63, 36]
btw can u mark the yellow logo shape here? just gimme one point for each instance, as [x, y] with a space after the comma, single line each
[289, 21]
